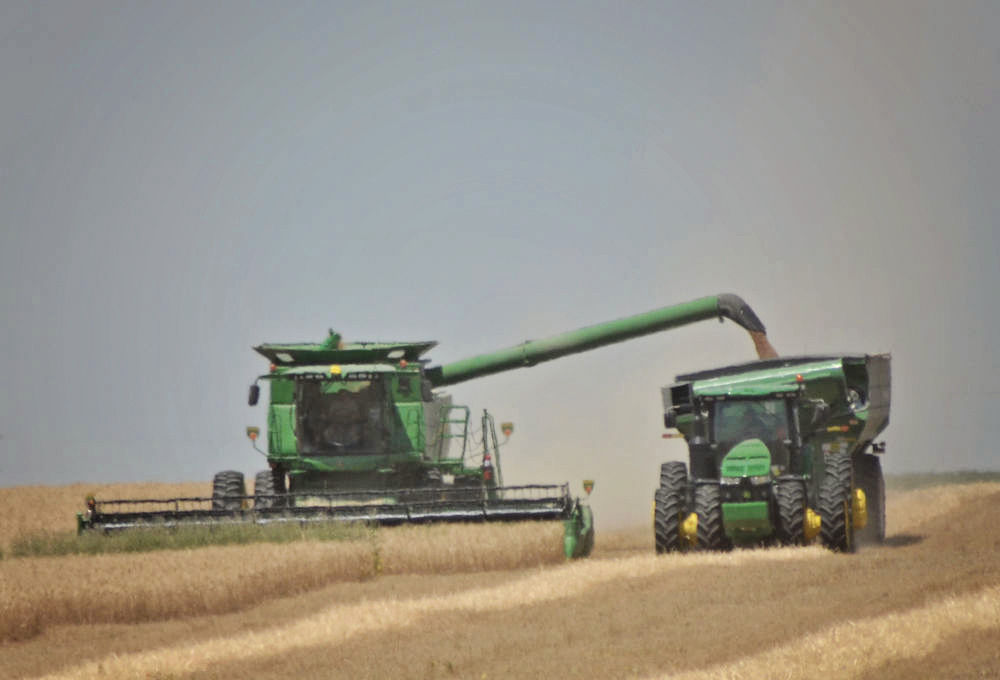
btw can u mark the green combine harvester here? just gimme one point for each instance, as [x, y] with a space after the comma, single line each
[361, 432]
[780, 451]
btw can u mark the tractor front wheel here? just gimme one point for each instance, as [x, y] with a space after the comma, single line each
[228, 491]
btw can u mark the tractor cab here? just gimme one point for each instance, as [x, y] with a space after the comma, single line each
[742, 424]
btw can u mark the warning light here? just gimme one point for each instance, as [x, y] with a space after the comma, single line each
[588, 485]
[799, 378]
[273, 368]
[402, 363]
[507, 429]
[253, 433]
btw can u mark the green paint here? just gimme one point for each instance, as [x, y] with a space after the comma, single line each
[578, 533]
[749, 458]
[747, 521]
[598, 335]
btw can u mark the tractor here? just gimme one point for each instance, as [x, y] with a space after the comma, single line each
[780, 451]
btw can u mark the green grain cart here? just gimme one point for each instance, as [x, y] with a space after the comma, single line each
[780, 451]
[362, 432]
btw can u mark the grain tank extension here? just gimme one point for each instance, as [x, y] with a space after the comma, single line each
[363, 432]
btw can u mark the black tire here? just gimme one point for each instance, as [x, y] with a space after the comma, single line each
[268, 489]
[790, 502]
[868, 477]
[708, 507]
[837, 529]
[672, 473]
[228, 490]
[669, 506]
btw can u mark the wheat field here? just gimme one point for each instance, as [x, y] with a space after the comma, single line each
[498, 601]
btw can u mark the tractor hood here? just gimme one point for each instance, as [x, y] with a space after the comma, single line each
[749, 458]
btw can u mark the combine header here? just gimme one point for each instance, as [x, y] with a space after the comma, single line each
[362, 432]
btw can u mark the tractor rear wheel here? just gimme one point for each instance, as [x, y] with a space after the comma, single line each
[837, 528]
[669, 507]
[228, 490]
[868, 477]
[267, 486]
[790, 499]
[708, 507]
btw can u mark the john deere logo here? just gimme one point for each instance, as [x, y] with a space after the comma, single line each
[588, 485]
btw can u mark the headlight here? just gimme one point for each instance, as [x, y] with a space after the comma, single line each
[730, 481]
[760, 479]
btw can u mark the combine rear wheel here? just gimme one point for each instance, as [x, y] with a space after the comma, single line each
[868, 477]
[669, 506]
[228, 490]
[790, 498]
[708, 507]
[267, 485]
[837, 529]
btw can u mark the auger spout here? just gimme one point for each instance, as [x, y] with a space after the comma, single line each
[591, 337]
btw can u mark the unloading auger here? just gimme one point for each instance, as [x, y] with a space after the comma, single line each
[362, 432]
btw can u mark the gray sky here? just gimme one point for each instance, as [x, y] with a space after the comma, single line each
[180, 181]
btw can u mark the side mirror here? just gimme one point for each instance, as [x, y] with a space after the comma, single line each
[254, 396]
[820, 413]
[426, 390]
[670, 419]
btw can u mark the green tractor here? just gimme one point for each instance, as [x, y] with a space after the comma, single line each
[363, 432]
[780, 451]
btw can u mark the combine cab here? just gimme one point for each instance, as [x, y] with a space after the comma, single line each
[780, 452]
[363, 432]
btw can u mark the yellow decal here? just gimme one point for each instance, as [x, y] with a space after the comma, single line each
[335, 369]
[813, 524]
[859, 509]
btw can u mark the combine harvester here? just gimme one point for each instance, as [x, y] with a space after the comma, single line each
[358, 432]
[780, 451]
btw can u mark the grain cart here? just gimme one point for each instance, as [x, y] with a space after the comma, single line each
[362, 432]
[780, 451]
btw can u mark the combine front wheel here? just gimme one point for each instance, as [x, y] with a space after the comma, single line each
[837, 529]
[228, 490]
[268, 487]
[669, 506]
